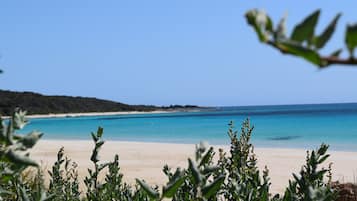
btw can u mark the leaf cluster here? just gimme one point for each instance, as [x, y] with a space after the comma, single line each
[14, 160]
[303, 41]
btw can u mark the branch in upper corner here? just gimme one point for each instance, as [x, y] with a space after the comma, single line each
[303, 41]
[325, 60]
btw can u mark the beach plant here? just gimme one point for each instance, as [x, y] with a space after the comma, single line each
[64, 181]
[113, 188]
[200, 181]
[236, 176]
[310, 183]
[14, 160]
[233, 176]
[303, 41]
[244, 181]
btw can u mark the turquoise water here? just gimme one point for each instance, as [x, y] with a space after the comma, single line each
[292, 126]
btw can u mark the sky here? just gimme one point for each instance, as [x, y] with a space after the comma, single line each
[164, 52]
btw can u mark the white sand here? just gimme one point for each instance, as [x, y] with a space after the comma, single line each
[145, 160]
[52, 115]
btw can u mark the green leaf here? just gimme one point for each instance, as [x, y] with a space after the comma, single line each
[212, 188]
[48, 198]
[23, 194]
[20, 159]
[305, 30]
[322, 149]
[298, 50]
[206, 158]
[95, 157]
[269, 25]
[99, 144]
[5, 178]
[197, 177]
[5, 192]
[151, 192]
[171, 188]
[321, 160]
[94, 137]
[31, 139]
[351, 38]
[100, 132]
[336, 53]
[264, 196]
[210, 169]
[327, 33]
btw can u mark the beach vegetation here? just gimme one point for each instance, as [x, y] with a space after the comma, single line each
[234, 176]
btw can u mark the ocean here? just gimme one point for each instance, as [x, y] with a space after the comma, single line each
[283, 126]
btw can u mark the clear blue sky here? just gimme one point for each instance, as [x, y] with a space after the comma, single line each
[166, 52]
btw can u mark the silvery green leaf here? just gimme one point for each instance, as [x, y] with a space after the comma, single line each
[206, 158]
[171, 188]
[19, 119]
[151, 192]
[17, 158]
[31, 139]
[197, 177]
[212, 188]
[23, 194]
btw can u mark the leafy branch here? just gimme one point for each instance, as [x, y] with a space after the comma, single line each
[303, 42]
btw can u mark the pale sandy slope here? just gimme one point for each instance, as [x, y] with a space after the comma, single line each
[145, 160]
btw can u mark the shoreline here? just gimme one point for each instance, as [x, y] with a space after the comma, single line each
[256, 145]
[90, 114]
[145, 160]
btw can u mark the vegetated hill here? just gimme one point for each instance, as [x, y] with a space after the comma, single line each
[35, 103]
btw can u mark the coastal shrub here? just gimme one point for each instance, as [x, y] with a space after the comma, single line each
[244, 180]
[310, 184]
[200, 181]
[14, 160]
[234, 176]
[237, 177]
[64, 179]
[113, 188]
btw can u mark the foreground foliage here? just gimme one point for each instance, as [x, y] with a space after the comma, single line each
[234, 176]
[303, 41]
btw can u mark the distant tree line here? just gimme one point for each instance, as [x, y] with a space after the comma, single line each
[36, 103]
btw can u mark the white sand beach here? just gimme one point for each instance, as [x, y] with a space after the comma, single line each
[145, 160]
[88, 114]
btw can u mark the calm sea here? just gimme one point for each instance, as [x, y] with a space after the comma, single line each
[288, 126]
